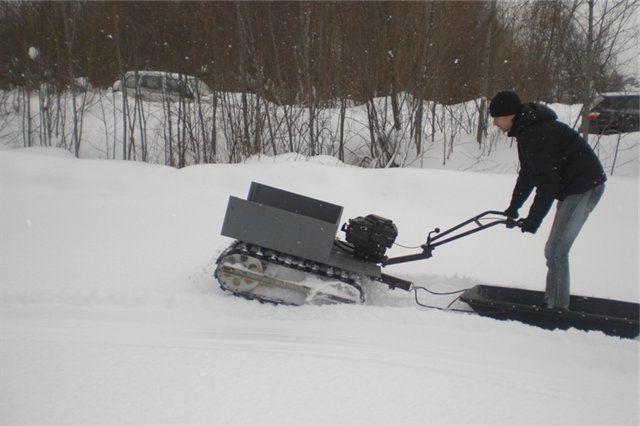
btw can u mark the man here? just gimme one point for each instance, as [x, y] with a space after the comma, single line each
[561, 165]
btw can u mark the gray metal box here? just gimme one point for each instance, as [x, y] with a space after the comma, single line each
[283, 221]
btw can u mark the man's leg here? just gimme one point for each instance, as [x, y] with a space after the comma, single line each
[571, 215]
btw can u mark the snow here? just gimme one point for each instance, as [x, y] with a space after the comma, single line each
[452, 146]
[109, 312]
[33, 53]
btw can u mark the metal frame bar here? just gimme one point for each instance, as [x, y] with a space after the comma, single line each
[432, 243]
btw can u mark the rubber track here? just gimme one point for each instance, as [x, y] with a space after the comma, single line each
[288, 261]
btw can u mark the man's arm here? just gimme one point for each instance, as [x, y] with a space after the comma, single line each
[547, 162]
[523, 188]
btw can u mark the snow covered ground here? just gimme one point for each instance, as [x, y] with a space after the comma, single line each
[109, 312]
[452, 146]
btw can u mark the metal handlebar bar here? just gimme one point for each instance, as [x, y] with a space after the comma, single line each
[436, 240]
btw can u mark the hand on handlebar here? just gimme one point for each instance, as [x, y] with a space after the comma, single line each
[512, 223]
[511, 214]
[524, 224]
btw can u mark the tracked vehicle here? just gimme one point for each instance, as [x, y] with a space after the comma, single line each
[286, 252]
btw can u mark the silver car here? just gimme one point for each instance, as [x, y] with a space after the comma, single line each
[161, 85]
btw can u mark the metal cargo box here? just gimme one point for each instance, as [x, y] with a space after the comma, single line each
[283, 221]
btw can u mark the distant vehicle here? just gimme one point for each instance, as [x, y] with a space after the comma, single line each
[159, 85]
[617, 112]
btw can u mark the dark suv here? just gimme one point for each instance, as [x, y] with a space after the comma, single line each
[615, 113]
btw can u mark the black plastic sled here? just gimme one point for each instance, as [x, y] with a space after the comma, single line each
[612, 317]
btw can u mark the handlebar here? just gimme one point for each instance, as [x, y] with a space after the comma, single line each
[435, 237]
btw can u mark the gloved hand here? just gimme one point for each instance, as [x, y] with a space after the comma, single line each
[511, 212]
[527, 225]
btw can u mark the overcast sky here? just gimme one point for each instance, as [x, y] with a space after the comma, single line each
[628, 58]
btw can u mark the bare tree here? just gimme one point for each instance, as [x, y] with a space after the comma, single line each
[242, 69]
[487, 70]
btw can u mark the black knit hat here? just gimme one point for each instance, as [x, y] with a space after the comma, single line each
[504, 103]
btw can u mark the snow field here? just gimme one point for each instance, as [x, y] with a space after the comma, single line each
[109, 313]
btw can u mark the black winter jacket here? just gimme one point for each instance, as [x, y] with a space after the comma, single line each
[554, 159]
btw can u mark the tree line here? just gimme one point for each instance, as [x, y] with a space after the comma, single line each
[301, 51]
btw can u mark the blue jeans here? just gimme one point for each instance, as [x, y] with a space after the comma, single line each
[571, 214]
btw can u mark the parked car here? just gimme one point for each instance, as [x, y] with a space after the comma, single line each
[615, 113]
[158, 85]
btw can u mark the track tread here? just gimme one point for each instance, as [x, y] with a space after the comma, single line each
[288, 261]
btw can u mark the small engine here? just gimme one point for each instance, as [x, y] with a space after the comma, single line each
[371, 236]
